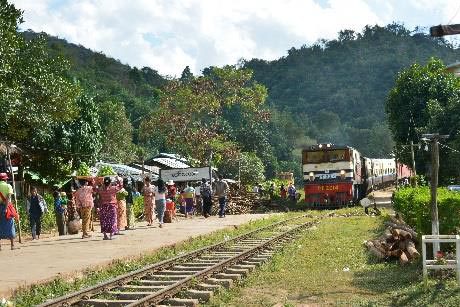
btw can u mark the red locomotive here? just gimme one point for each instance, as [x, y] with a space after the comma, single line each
[337, 176]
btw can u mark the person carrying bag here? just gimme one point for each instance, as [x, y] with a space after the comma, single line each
[7, 212]
[36, 206]
[10, 209]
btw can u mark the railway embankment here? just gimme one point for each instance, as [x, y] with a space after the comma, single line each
[54, 262]
[329, 266]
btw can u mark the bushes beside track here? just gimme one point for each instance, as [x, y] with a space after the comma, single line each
[414, 204]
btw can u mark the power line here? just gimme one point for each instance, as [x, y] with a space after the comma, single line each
[455, 15]
[448, 147]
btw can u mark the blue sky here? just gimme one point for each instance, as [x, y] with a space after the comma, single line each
[168, 35]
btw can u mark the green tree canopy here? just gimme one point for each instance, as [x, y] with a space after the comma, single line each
[248, 166]
[190, 121]
[35, 91]
[425, 99]
[117, 133]
[41, 108]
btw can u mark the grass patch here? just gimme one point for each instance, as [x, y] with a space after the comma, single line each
[37, 294]
[330, 266]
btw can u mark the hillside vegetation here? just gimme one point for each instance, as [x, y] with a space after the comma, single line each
[338, 88]
[332, 91]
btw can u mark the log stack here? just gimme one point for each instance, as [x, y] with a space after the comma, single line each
[241, 203]
[398, 241]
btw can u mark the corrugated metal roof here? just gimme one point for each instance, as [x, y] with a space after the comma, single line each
[148, 168]
[172, 163]
[172, 156]
[125, 170]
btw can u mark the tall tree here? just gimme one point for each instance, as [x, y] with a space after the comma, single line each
[34, 90]
[189, 118]
[187, 75]
[425, 99]
[60, 148]
[41, 107]
[247, 167]
[117, 133]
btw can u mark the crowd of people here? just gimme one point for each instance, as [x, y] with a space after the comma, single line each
[112, 200]
[288, 192]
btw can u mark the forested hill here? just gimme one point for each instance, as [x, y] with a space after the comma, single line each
[332, 91]
[109, 78]
[340, 86]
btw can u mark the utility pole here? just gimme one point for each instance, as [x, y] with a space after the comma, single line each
[413, 161]
[434, 139]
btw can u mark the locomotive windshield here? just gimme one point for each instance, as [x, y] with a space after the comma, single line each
[325, 156]
[315, 156]
[336, 155]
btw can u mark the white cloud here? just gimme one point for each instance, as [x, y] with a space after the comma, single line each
[167, 35]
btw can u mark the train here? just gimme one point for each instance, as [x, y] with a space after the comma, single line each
[338, 176]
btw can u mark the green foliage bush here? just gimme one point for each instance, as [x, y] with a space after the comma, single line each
[414, 204]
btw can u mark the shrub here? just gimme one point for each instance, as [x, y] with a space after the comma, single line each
[414, 204]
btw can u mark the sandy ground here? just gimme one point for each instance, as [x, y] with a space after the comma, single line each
[45, 259]
[383, 197]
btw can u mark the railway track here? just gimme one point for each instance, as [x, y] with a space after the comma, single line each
[187, 279]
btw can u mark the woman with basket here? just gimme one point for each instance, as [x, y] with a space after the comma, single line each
[108, 211]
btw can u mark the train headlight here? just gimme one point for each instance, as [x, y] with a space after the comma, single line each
[342, 174]
[320, 145]
[312, 176]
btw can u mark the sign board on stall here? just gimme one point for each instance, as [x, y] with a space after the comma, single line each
[184, 174]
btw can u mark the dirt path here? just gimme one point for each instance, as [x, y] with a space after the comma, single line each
[383, 197]
[38, 261]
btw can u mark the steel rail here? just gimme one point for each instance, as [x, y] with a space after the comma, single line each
[86, 293]
[174, 289]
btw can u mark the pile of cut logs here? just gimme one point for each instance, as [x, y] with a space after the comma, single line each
[398, 241]
[242, 203]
